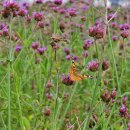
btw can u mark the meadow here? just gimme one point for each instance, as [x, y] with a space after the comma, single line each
[64, 67]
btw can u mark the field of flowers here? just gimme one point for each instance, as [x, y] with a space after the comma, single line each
[46, 51]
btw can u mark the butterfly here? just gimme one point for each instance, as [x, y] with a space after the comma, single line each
[74, 75]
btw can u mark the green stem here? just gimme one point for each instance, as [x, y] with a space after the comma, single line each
[9, 99]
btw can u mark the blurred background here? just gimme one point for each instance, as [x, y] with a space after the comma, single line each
[122, 3]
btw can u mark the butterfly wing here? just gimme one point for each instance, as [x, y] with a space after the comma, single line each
[74, 75]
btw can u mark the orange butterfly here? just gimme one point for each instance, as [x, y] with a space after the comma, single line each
[74, 74]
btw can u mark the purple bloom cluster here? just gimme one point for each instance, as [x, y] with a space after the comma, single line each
[106, 97]
[93, 65]
[72, 12]
[125, 26]
[4, 30]
[123, 111]
[105, 64]
[96, 32]
[38, 16]
[58, 2]
[87, 44]
[18, 48]
[46, 111]
[13, 9]
[40, 50]
[66, 80]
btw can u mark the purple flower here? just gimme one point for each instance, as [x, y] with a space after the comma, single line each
[38, 16]
[113, 94]
[123, 111]
[49, 84]
[72, 12]
[8, 5]
[62, 11]
[46, 111]
[93, 65]
[66, 80]
[105, 64]
[105, 96]
[18, 48]
[29, 18]
[68, 57]
[25, 5]
[87, 44]
[22, 12]
[67, 51]
[125, 26]
[124, 100]
[41, 50]
[39, 1]
[96, 32]
[35, 45]
[113, 16]
[41, 24]
[85, 54]
[75, 58]
[124, 34]
[5, 31]
[2, 26]
[114, 25]
[58, 2]
[115, 38]
[9, 8]
[49, 96]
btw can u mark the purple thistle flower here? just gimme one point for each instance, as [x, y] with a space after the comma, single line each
[124, 34]
[38, 16]
[124, 100]
[35, 45]
[123, 111]
[22, 12]
[49, 96]
[25, 5]
[41, 24]
[96, 32]
[75, 58]
[46, 111]
[114, 25]
[67, 51]
[68, 57]
[49, 84]
[113, 94]
[38, 1]
[5, 31]
[87, 44]
[93, 65]
[41, 50]
[105, 96]
[111, 16]
[125, 26]
[66, 80]
[29, 18]
[72, 12]
[58, 2]
[85, 54]
[115, 38]
[105, 64]
[18, 48]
